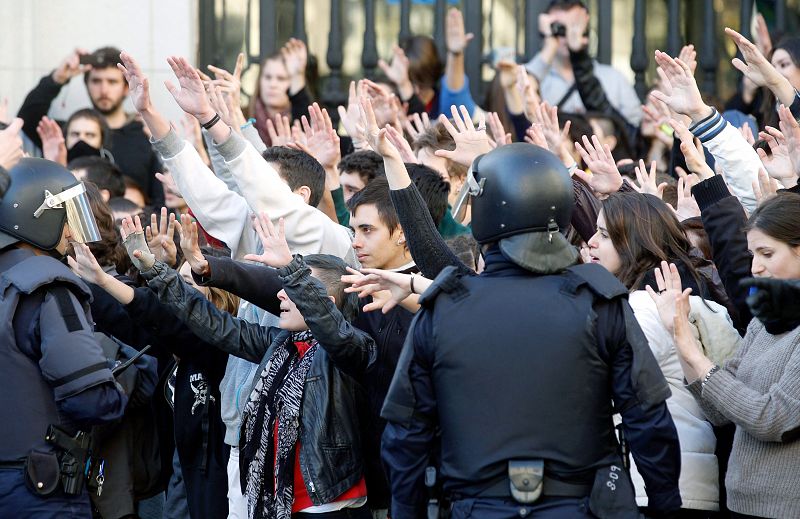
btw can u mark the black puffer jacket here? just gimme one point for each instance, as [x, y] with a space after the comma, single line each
[330, 453]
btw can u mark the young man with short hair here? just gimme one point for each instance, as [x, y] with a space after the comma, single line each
[107, 91]
[358, 169]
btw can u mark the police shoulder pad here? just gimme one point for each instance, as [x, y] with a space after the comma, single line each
[39, 271]
[598, 279]
[448, 281]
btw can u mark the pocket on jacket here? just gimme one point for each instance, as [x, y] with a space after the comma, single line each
[339, 457]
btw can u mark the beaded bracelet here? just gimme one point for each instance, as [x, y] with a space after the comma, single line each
[708, 376]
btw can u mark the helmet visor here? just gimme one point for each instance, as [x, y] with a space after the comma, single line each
[80, 218]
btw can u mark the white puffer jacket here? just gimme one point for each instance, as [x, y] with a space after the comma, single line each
[699, 470]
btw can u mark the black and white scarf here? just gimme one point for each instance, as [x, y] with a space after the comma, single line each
[277, 395]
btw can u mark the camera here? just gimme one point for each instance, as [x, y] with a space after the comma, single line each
[93, 59]
[558, 29]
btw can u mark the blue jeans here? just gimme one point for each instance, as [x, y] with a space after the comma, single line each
[19, 502]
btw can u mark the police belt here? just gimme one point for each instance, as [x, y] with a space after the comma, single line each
[550, 488]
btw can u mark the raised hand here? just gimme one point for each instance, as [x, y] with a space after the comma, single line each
[679, 89]
[791, 132]
[765, 187]
[507, 72]
[668, 281]
[383, 103]
[321, 139]
[397, 72]
[547, 117]
[85, 265]
[456, 39]
[371, 282]
[689, 56]
[762, 38]
[646, 182]
[138, 83]
[376, 137]
[528, 88]
[416, 124]
[396, 138]
[190, 94]
[53, 147]
[276, 249]
[135, 244]
[693, 362]
[470, 141]
[756, 67]
[577, 23]
[605, 177]
[230, 85]
[501, 137]
[160, 237]
[11, 144]
[686, 206]
[692, 150]
[295, 55]
[534, 135]
[350, 117]
[778, 163]
[279, 131]
[70, 67]
[190, 245]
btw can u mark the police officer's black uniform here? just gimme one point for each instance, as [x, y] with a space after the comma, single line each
[52, 369]
[520, 369]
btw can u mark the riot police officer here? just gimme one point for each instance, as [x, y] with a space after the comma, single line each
[520, 369]
[54, 379]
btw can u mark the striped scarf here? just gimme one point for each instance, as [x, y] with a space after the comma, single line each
[276, 396]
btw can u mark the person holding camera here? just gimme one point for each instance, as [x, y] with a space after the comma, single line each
[107, 90]
[568, 77]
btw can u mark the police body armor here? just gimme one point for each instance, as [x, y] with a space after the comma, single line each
[29, 406]
[518, 375]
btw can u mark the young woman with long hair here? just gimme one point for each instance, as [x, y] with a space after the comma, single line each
[635, 233]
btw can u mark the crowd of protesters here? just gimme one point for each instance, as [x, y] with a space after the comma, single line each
[273, 256]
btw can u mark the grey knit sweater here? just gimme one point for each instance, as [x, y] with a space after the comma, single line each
[759, 391]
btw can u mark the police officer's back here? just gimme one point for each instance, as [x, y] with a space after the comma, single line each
[522, 367]
[52, 369]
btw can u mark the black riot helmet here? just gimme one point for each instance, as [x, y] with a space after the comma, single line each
[40, 198]
[522, 197]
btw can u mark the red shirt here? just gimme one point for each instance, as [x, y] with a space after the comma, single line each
[301, 498]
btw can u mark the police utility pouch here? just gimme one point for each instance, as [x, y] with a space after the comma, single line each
[42, 472]
[525, 480]
[612, 494]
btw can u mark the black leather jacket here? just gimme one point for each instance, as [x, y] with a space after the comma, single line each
[330, 454]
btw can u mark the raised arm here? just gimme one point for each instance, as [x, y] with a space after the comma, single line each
[246, 340]
[222, 212]
[428, 248]
[37, 102]
[351, 349]
[455, 86]
[254, 283]
[733, 154]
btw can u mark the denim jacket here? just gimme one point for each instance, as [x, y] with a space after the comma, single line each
[330, 455]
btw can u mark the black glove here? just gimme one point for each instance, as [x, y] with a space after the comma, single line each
[775, 302]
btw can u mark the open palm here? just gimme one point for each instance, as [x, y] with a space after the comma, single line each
[190, 94]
